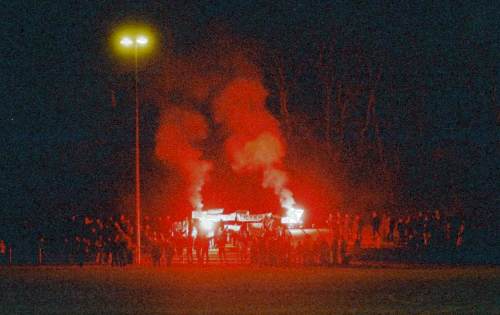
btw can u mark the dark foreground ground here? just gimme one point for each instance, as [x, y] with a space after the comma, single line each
[237, 290]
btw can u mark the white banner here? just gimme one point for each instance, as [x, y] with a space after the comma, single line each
[252, 217]
[216, 215]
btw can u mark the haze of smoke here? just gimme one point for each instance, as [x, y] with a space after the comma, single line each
[179, 132]
[220, 74]
[255, 142]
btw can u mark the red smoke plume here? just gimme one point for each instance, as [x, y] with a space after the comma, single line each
[176, 139]
[246, 147]
[254, 142]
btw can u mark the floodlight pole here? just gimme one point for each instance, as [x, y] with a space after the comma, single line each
[127, 41]
[137, 164]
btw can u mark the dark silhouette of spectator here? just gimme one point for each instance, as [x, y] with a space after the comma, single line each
[392, 226]
[169, 251]
[343, 259]
[401, 232]
[358, 226]
[197, 248]
[324, 252]
[189, 247]
[243, 238]
[155, 249]
[375, 225]
[221, 240]
[179, 245]
[205, 244]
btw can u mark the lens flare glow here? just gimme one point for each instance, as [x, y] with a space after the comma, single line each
[294, 215]
[141, 40]
[126, 41]
[125, 37]
[207, 225]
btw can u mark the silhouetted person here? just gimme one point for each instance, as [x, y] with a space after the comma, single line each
[169, 251]
[324, 252]
[343, 252]
[375, 225]
[221, 244]
[358, 228]
[401, 231]
[155, 250]
[179, 246]
[205, 244]
[392, 226]
[189, 247]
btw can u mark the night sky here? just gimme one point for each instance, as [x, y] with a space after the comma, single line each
[66, 148]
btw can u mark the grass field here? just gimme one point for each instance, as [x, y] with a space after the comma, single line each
[237, 290]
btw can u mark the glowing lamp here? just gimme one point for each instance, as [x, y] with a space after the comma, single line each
[126, 41]
[134, 40]
[141, 40]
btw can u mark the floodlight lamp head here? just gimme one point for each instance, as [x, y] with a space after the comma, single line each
[126, 41]
[141, 40]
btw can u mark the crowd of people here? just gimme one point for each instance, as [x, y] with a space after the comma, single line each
[424, 236]
[112, 241]
[417, 237]
[426, 232]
